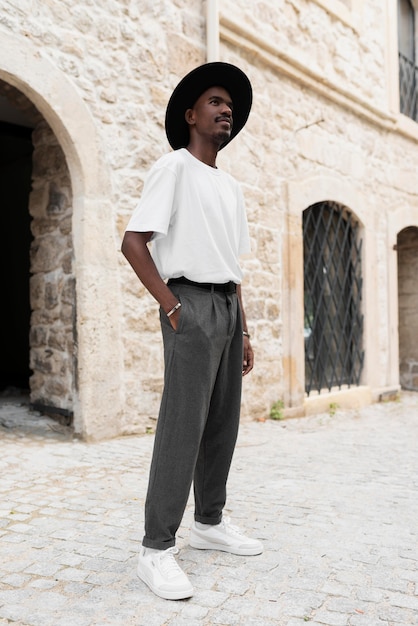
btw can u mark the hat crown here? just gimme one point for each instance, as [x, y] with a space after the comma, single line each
[191, 87]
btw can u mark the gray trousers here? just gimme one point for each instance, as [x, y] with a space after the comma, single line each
[199, 415]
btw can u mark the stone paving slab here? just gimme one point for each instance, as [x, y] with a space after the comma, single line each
[333, 497]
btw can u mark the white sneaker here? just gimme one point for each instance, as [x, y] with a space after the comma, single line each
[160, 571]
[225, 537]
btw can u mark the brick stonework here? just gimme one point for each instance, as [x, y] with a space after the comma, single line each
[52, 284]
[325, 125]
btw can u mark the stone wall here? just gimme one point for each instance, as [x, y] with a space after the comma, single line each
[52, 283]
[322, 128]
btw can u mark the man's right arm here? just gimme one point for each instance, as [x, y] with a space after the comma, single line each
[135, 249]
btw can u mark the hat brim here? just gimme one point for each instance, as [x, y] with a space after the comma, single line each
[191, 87]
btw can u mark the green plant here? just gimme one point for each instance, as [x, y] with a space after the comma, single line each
[276, 411]
[333, 408]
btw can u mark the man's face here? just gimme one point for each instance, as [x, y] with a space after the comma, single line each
[211, 115]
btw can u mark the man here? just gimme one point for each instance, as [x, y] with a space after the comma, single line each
[193, 213]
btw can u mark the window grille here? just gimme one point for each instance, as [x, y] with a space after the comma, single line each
[408, 92]
[408, 72]
[332, 286]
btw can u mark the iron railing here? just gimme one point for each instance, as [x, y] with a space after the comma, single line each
[408, 87]
[333, 288]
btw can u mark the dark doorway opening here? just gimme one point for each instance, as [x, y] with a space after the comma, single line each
[407, 248]
[15, 185]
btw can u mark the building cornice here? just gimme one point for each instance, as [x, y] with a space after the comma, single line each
[235, 33]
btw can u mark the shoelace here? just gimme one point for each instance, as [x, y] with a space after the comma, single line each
[169, 564]
[231, 528]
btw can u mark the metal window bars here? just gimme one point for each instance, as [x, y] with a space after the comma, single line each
[332, 287]
[408, 87]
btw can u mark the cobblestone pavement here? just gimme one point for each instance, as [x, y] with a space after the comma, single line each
[333, 497]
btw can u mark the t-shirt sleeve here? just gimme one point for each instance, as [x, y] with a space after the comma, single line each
[155, 208]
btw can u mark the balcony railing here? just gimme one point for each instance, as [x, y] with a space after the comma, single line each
[408, 87]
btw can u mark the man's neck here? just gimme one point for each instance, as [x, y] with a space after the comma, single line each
[206, 154]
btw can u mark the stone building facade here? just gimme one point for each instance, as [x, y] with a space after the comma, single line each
[326, 140]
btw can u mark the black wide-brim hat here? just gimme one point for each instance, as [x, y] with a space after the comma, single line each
[191, 87]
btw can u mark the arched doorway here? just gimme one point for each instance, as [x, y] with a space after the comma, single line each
[98, 398]
[407, 248]
[38, 312]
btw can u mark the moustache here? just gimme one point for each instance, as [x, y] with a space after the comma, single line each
[224, 118]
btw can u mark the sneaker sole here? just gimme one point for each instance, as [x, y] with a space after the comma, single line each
[207, 545]
[167, 595]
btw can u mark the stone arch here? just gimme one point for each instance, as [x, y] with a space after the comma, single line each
[407, 249]
[302, 193]
[98, 402]
[312, 189]
[400, 220]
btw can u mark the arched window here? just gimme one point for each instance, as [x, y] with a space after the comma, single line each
[407, 248]
[408, 72]
[332, 291]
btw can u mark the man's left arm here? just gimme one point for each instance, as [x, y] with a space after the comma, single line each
[248, 354]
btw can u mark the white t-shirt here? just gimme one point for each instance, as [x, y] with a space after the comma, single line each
[198, 218]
